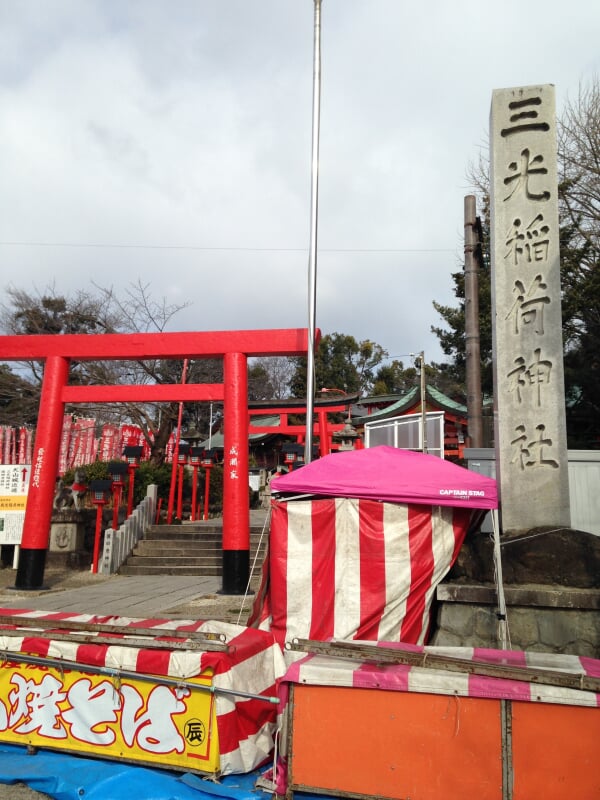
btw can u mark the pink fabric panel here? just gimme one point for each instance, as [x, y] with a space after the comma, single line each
[480, 686]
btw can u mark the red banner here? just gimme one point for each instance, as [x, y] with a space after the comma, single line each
[78, 445]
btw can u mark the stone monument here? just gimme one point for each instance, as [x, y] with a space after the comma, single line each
[530, 427]
[67, 528]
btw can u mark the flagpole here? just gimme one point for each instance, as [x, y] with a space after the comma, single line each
[312, 260]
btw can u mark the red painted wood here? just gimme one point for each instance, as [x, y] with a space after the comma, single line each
[143, 346]
[293, 430]
[184, 393]
[36, 527]
[236, 517]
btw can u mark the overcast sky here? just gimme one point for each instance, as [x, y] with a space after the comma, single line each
[169, 141]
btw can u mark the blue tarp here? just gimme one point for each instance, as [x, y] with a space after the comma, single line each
[68, 777]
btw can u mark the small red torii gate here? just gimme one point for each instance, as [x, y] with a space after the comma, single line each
[235, 347]
[322, 429]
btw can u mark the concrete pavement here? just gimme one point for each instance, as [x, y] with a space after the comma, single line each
[164, 596]
[146, 596]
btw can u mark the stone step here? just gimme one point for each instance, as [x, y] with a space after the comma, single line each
[142, 551]
[173, 561]
[160, 547]
[193, 534]
[191, 548]
[174, 567]
[203, 571]
[144, 546]
[192, 529]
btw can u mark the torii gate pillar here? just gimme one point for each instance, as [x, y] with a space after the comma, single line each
[236, 525]
[32, 557]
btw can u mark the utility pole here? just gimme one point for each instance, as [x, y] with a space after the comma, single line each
[423, 403]
[472, 347]
[421, 357]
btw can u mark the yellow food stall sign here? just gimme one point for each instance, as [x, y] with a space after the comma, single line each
[71, 710]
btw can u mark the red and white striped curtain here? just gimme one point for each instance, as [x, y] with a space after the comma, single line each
[355, 569]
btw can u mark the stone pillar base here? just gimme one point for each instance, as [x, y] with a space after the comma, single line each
[67, 531]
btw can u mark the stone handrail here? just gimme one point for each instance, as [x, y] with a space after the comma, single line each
[119, 544]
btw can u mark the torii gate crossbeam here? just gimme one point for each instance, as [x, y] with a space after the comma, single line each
[235, 347]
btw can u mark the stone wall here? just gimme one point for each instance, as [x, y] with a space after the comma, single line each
[551, 586]
[546, 619]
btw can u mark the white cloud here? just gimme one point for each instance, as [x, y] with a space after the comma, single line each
[178, 126]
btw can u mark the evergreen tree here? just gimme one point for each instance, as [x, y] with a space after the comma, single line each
[340, 363]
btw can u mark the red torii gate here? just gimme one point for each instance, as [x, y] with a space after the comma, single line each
[322, 429]
[57, 351]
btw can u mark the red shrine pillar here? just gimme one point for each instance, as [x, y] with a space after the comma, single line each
[38, 514]
[324, 448]
[236, 495]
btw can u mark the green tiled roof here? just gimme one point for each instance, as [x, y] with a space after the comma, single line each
[406, 401]
[217, 439]
[445, 401]
[389, 411]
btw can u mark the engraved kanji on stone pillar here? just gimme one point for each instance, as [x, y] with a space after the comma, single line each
[530, 429]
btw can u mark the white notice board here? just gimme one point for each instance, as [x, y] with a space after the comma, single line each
[14, 486]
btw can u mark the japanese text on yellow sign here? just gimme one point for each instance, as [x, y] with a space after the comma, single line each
[135, 720]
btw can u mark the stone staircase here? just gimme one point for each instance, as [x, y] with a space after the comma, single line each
[188, 549]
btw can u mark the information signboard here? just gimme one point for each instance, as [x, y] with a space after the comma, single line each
[14, 486]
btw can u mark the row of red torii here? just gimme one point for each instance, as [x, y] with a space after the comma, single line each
[235, 347]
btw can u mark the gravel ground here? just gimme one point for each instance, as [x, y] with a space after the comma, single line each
[20, 791]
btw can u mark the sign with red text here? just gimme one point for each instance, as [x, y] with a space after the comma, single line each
[140, 721]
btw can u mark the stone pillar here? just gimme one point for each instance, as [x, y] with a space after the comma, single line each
[530, 429]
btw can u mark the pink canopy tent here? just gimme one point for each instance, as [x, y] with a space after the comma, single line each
[359, 554]
[393, 475]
